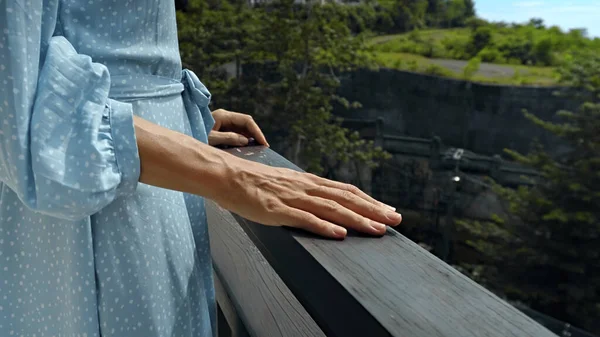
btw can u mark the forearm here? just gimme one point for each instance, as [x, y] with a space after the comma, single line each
[260, 193]
[176, 161]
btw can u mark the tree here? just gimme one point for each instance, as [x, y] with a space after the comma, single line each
[455, 13]
[407, 14]
[547, 252]
[434, 10]
[537, 23]
[213, 35]
[470, 9]
[481, 37]
[292, 57]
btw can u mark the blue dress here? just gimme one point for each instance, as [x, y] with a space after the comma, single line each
[86, 250]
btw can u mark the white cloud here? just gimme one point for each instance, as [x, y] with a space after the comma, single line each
[583, 9]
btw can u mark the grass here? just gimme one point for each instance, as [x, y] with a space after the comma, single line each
[524, 75]
[410, 62]
[432, 34]
[436, 43]
[406, 52]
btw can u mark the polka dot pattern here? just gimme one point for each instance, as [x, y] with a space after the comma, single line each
[86, 250]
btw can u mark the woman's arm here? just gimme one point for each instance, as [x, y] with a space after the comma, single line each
[68, 150]
[268, 195]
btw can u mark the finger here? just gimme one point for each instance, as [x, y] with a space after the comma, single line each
[226, 138]
[256, 132]
[350, 188]
[248, 126]
[309, 222]
[330, 210]
[357, 205]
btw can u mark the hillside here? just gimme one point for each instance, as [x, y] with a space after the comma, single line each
[486, 73]
[499, 53]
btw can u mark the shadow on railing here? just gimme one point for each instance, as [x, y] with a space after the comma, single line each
[275, 281]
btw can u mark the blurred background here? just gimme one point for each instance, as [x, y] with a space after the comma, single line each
[478, 120]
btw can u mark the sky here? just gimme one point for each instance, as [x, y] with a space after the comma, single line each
[563, 13]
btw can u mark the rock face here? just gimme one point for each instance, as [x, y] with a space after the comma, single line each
[483, 118]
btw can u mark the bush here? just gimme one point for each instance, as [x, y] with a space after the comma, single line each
[491, 55]
[472, 68]
[516, 47]
[515, 44]
[360, 18]
[475, 23]
[412, 65]
[480, 38]
[456, 48]
[434, 69]
[398, 64]
[542, 52]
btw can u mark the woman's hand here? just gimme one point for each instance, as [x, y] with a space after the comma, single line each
[234, 129]
[261, 193]
[282, 197]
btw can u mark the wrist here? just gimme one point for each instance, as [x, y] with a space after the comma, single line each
[176, 161]
[211, 171]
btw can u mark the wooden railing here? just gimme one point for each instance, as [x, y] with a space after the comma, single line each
[275, 281]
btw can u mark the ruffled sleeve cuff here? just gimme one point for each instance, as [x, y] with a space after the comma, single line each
[120, 118]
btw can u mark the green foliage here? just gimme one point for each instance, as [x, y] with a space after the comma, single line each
[434, 69]
[542, 52]
[475, 22]
[546, 254]
[394, 16]
[491, 55]
[469, 11]
[531, 44]
[291, 56]
[472, 68]
[480, 38]
[524, 75]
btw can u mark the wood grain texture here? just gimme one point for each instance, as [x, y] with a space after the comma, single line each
[386, 286]
[261, 299]
[231, 325]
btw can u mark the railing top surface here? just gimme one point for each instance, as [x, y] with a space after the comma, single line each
[386, 286]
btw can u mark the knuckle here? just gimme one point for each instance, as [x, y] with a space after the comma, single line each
[353, 189]
[373, 209]
[311, 176]
[305, 221]
[331, 206]
[347, 196]
[320, 190]
[271, 205]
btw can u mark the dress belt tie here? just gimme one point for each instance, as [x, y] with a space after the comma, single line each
[195, 95]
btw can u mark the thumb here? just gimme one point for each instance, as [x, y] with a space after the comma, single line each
[226, 138]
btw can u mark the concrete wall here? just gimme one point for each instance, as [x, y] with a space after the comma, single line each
[483, 118]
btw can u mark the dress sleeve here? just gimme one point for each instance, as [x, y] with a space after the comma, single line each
[66, 149]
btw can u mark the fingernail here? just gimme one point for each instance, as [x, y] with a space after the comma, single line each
[378, 226]
[393, 216]
[339, 232]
